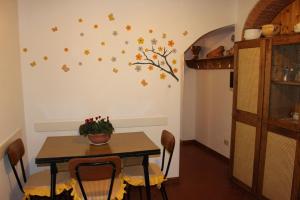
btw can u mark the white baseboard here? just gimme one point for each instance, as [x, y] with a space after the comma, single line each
[118, 123]
[3, 145]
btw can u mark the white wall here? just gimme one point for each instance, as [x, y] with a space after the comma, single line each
[189, 100]
[243, 8]
[11, 101]
[213, 109]
[51, 94]
[207, 97]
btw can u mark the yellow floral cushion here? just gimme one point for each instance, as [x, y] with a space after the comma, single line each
[39, 184]
[99, 189]
[134, 175]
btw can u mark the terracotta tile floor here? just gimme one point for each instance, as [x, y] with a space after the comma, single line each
[202, 176]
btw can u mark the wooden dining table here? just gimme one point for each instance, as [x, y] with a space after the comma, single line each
[60, 149]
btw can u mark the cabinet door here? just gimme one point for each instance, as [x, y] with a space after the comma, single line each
[279, 167]
[247, 112]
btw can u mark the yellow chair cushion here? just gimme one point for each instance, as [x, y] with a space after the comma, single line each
[99, 189]
[39, 184]
[134, 175]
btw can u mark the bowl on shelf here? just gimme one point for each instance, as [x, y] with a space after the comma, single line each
[252, 33]
[269, 30]
[297, 28]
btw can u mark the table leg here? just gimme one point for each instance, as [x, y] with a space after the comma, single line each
[146, 174]
[53, 170]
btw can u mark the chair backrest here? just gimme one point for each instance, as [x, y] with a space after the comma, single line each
[15, 151]
[168, 142]
[93, 169]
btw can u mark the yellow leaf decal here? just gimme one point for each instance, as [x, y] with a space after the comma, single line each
[45, 58]
[174, 61]
[24, 50]
[86, 52]
[140, 40]
[185, 33]
[115, 70]
[111, 17]
[33, 64]
[80, 20]
[162, 76]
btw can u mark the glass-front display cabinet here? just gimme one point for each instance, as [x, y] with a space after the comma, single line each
[284, 105]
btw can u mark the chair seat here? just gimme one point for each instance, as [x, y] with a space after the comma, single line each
[99, 189]
[39, 183]
[134, 175]
[131, 161]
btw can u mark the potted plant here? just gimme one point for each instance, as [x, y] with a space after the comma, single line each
[98, 130]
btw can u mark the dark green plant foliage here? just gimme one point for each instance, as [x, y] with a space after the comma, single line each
[94, 127]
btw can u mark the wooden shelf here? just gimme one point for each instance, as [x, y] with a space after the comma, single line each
[291, 83]
[224, 62]
[286, 123]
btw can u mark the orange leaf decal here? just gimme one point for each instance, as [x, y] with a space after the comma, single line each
[128, 28]
[154, 56]
[65, 68]
[171, 43]
[138, 56]
[150, 67]
[54, 29]
[144, 82]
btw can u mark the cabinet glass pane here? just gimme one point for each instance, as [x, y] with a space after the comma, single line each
[285, 84]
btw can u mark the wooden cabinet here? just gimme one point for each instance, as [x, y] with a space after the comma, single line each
[247, 112]
[265, 127]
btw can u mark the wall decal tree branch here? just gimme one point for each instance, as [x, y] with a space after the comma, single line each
[150, 56]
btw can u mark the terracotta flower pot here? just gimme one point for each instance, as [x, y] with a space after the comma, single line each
[98, 139]
[195, 51]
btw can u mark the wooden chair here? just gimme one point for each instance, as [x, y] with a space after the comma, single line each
[38, 184]
[97, 178]
[134, 175]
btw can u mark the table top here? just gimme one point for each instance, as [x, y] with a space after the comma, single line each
[63, 148]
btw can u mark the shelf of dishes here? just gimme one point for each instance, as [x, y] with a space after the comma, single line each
[224, 62]
[286, 75]
[267, 30]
